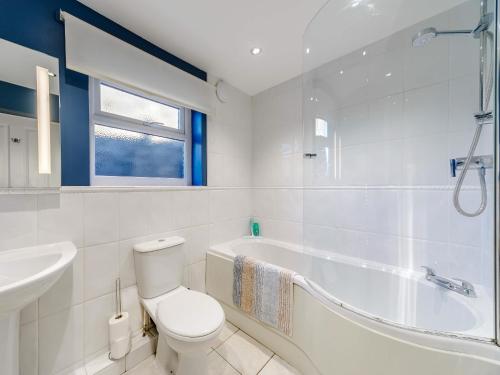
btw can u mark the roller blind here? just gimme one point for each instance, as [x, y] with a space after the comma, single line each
[96, 53]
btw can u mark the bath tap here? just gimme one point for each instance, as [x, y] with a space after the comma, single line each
[457, 285]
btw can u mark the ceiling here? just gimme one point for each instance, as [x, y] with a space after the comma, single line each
[217, 35]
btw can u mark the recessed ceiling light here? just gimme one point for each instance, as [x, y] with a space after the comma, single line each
[256, 51]
[364, 53]
[308, 51]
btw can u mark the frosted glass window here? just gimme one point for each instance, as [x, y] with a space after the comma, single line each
[125, 153]
[321, 128]
[126, 104]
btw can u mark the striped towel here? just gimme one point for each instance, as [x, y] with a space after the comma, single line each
[264, 291]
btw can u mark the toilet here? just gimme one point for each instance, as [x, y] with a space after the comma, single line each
[188, 322]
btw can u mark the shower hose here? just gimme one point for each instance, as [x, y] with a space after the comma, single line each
[477, 135]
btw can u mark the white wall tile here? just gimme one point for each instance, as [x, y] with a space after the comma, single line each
[216, 173]
[428, 65]
[320, 208]
[162, 215]
[18, 220]
[383, 213]
[469, 230]
[197, 276]
[219, 205]
[322, 238]
[60, 342]
[425, 214]
[134, 214]
[262, 202]
[198, 242]
[288, 204]
[463, 57]
[60, 218]
[281, 230]
[131, 304]
[126, 260]
[101, 267]
[426, 110]
[464, 102]
[100, 218]
[425, 161]
[96, 315]
[199, 207]
[223, 231]
[181, 201]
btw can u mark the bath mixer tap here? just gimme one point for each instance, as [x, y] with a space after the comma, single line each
[457, 285]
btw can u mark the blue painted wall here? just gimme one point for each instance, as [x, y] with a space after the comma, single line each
[35, 24]
[199, 148]
[21, 101]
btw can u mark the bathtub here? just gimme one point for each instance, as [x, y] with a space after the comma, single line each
[346, 304]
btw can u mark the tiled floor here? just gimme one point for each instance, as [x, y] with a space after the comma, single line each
[235, 353]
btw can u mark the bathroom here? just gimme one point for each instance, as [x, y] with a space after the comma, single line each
[316, 196]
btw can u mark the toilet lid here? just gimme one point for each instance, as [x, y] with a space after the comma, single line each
[190, 314]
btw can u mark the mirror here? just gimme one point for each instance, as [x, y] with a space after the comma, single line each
[30, 147]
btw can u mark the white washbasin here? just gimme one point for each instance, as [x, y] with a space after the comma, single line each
[26, 274]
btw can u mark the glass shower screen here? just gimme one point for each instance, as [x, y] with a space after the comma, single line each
[394, 96]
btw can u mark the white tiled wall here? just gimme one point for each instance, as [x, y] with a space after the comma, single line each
[380, 187]
[67, 326]
[277, 161]
[229, 141]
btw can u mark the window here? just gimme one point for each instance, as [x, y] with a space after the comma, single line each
[321, 128]
[137, 139]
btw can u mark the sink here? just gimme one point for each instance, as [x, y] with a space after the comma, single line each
[26, 274]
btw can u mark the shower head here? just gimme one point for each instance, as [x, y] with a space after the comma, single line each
[424, 36]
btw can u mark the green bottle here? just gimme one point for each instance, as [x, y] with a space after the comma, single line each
[255, 229]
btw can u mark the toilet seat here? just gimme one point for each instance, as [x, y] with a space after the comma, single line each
[190, 316]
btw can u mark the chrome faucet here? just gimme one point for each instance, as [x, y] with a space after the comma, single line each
[457, 285]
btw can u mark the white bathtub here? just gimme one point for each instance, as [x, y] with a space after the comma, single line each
[385, 301]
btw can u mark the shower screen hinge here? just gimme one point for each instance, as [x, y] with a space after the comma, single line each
[310, 156]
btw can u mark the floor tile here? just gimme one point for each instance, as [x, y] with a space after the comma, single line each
[218, 366]
[244, 353]
[277, 366]
[226, 333]
[146, 367]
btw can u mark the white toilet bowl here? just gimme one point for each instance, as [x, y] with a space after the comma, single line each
[188, 322]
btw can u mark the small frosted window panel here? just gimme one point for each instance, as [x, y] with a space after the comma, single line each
[125, 104]
[125, 153]
[321, 128]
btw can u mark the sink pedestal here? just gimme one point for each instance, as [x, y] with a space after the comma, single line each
[9, 344]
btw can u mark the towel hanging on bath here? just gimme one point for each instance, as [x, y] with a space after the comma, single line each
[264, 291]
